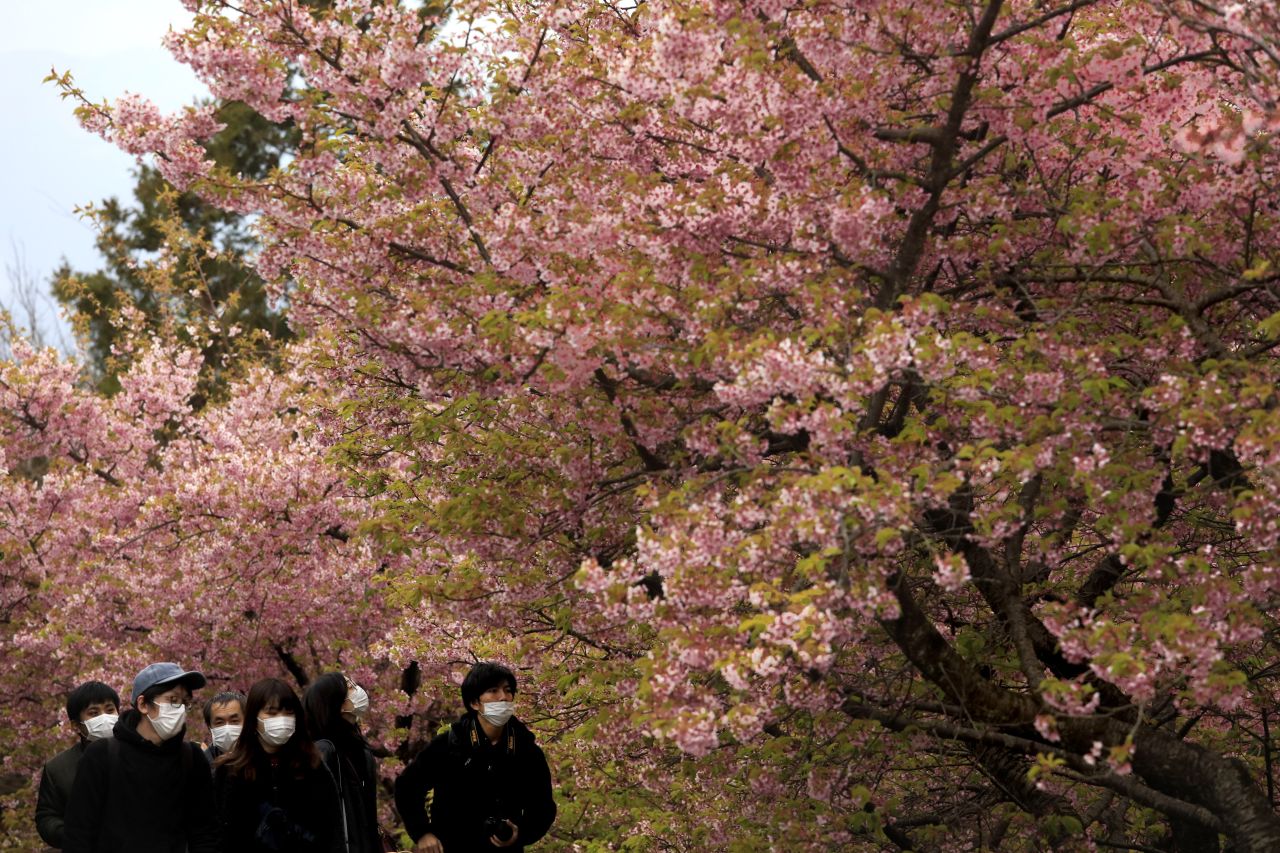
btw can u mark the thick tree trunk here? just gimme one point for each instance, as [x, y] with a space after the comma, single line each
[1191, 837]
[1009, 769]
[1178, 769]
[1190, 772]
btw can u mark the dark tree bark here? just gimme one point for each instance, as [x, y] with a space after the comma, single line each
[1188, 782]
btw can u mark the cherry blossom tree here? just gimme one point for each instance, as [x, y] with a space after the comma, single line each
[138, 529]
[856, 419]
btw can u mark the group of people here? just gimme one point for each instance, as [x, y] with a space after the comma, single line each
[286, 774]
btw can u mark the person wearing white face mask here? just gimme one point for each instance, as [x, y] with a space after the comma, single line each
[92, 711]
[335, 704]
[272, 792]
[224, 717]
[145, 788]
[490, 784]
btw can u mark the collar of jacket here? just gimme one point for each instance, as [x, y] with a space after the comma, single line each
[126, 731]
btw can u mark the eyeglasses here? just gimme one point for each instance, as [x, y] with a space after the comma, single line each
[166, 702]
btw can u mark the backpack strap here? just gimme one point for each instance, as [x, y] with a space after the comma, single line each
[114, 780]
[113, 764]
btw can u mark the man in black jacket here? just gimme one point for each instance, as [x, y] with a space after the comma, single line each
[146, 789]
[92, 709]
[491, 781]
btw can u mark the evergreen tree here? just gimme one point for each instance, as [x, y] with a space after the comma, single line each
[172, 261]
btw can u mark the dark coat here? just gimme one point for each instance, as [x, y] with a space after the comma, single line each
[56, 779]
[278, 812]
[355, 773]
[473, 779]
[132, 795]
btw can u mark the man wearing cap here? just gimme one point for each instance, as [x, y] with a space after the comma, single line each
[146, 789]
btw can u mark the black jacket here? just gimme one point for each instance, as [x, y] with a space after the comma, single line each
[473, 780]
[278, 812]
[56, 779]
[356, 777]
[132, 795]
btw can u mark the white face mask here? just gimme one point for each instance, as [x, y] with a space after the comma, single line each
[276, 731]
[497, 713]
[359, 700]
[169, 720]
[100, 726]
[224, 737]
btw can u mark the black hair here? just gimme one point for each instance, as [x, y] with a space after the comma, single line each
[221, 699]
[89, 693]
[149, 695]
[323, 701]
[483, 677]
[248, 757]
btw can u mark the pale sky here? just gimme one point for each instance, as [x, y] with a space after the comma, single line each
[51, 165]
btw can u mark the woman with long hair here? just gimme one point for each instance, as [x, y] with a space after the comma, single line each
[334, 705]
[272, 792]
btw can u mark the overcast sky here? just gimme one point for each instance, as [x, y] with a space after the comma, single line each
[51, 164]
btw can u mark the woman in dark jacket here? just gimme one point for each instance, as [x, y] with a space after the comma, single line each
[272, 792]
[333, 705]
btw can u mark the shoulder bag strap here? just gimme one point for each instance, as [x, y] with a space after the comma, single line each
[337, 781]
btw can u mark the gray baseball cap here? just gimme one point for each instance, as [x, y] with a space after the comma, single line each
[165, 673]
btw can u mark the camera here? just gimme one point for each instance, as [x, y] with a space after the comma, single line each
[498, 828]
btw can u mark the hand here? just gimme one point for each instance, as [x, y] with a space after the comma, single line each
[515, 833]
[428, 844]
